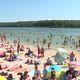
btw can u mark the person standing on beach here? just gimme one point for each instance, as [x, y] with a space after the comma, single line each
[26, 76]
[42, 52]
[39, 52]
[18, 47]
[53, 74]
[4, 37]
[72, 56]
[15, 42]
[45, 72]
[37, 73]
[1, 39]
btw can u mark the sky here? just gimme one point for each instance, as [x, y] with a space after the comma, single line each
[33, 10]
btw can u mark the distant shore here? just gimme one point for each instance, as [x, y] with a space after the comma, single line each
[43, 23]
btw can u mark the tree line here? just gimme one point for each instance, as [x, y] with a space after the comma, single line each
[43, 23]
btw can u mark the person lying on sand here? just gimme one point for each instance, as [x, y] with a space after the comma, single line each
[29, 61]
[11, 57]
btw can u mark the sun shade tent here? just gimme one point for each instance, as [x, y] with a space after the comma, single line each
[61, 55]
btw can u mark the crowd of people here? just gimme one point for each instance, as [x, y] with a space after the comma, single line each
[70, 74]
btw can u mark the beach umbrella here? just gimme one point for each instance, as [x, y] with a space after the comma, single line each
[61, 55]
[2, 78]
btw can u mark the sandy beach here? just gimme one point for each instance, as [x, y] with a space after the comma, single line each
[22, 59]
[10, 42]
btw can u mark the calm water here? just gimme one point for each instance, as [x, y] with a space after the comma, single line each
[36, 35]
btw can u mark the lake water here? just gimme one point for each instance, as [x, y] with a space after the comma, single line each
[36, 35]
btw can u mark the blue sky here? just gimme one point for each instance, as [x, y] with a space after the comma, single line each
[28, 10]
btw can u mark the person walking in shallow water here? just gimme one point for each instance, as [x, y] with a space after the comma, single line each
[49, 45]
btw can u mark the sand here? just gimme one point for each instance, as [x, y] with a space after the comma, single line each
[22, 59]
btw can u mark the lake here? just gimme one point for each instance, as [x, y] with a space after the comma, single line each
[36, 36]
